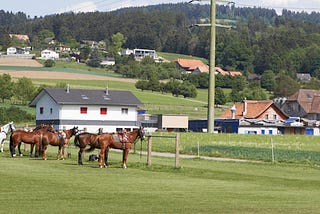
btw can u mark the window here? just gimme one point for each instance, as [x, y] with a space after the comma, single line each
[83, 110]
[266, 116]
[274, 116]
[50, 110]
[41, 110]
[103, 111]
[124, 110]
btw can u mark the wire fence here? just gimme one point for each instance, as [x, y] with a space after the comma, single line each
[268, 148]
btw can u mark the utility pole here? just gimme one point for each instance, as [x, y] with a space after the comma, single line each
[211, 90]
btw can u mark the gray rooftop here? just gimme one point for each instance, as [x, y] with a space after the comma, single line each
[88, 97]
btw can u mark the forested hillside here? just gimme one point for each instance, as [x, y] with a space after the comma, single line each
[260, 40]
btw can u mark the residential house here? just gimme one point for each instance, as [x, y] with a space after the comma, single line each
[258, 117]
[192, 66]
[90, 110]
[21, 37]
[49, 54]
[304, 77]
[11, 50]
[140, 54]
[304, 104]
[219, 70]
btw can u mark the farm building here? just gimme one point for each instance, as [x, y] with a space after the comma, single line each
[164, 122]
[90, 110]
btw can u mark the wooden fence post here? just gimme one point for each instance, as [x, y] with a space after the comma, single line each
[177, 149]
[149, 150]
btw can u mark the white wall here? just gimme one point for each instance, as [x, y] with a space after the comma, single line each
[257, 130]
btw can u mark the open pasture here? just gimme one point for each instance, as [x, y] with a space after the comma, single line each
[31, 185]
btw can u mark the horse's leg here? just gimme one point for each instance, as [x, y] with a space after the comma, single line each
[80, 155]
[37, 152]
[59, 153]
[19, 149]
[31, 149]
[44, 152]
[63, 150]
[2, 143]
[101, 158]
[124, 158]
[106, 153]
[12, 150]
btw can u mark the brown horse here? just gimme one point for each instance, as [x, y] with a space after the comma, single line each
[107, 141]
[57, 138]
[33, 138]
[82, 141]
[69, 133]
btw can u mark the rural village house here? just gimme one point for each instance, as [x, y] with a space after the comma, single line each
[110, 110]
[192, 66]
[253, 117]
[304, 103]
[49, 54]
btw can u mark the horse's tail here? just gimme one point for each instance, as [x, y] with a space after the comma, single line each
[76, 141]
[11, 144]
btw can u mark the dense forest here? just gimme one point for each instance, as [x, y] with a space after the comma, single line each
[260, 41]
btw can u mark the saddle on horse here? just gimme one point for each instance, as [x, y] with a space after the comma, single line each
[123, 138]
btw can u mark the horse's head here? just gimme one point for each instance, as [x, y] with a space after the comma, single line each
[75, 130]
[141, 133]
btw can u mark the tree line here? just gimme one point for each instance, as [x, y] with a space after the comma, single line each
[273, 47]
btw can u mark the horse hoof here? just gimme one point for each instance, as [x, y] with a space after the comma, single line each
[13, 155]
[21, 155]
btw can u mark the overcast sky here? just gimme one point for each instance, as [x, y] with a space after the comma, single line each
[41, 8]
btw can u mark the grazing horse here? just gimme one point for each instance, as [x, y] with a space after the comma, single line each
[9, 127]
[107, 141]
[83, 140]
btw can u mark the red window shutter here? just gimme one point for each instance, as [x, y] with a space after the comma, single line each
[103, 111]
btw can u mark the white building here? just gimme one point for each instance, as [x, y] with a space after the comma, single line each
[49, 54]
[90, 110]
[142, 53]
[11, 50]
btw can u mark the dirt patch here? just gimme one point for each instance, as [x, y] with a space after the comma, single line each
[19, 62]
[50, 74]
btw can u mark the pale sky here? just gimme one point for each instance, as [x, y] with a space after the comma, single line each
[42, 8]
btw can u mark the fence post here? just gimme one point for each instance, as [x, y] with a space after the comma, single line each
[272, 150]
[149, 150]
[177, 150]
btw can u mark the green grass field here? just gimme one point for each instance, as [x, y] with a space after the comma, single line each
[30, 185]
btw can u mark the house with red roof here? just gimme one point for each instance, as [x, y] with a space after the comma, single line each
[253, 117]
[253, 109]
[219, 70]
[192, 66]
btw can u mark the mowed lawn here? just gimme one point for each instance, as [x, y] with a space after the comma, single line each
[30, 185]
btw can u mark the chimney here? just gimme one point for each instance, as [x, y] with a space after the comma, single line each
[245, 107]
[233, 112]
[68, 88]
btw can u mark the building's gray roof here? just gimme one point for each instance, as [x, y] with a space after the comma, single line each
[88, 97]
